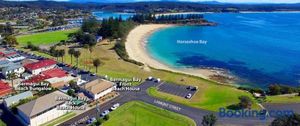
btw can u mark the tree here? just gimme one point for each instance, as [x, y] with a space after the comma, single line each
[77, 55]
[10, 40]
[90, 25]
[274, 89]
[71, 92]
[62, 54]
[73, 85]
[245, 102]
[99, 122]
[71, 53]
[56, 54]
[96, 64]
[287, 120]
[209, 120]
[12, 76]
[106, 117]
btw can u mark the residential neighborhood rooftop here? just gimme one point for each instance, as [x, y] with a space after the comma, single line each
[42, 104]
[16, 98]
[40, 64]
[98, 85]
[4, 88]
[56, 72]
[36, 79]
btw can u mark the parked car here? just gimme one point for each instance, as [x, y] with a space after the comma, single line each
[157, 80]
[189, 87]
[149, 78]
[115, 106]
[104, 113]
[194, 88]
[91, 120]
[189, 96]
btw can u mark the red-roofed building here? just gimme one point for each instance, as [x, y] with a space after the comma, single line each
[38, 67]
[55, 73]
[36, 79]
[4, 88]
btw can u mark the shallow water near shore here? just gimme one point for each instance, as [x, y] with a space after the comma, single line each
[260, 48]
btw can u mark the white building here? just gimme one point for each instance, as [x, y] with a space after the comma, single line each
[15, 57]
[13, 68]
[98, 88]
[43, 109]
[38, 67]
[16, 98]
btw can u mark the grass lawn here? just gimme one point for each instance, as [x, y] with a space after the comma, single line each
[210, 96]
[141, 114]
[45, 37]
[283, 99]
[60, 119]
[2, 123]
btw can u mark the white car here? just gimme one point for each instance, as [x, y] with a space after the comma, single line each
[115, 106]
[189, 96]
[104, 113]
[157, 80]
[150, 78]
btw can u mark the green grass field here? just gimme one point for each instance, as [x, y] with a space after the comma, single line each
[283, 99]
[141, 114]
[45, 37]
[212, 98]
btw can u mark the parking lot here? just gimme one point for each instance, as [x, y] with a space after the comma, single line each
[178, 90]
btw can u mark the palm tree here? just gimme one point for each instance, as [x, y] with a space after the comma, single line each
[62, 54]
[77, 55]
[55, 54]
[71, 53]
[96, 64]
[12, 76]
[91, 48]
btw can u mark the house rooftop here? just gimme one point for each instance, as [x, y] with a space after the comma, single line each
[12, 66]
[36, 79]
[40, 64]
[16, 98]
[98, 85]
[4, 88]
[42, 104]
[56, 72]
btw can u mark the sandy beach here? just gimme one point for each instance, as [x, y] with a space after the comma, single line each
[135, 47]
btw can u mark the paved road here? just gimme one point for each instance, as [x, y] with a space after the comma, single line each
[193, 113]
[295, 107]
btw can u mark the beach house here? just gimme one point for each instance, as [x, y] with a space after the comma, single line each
[98, 88]
[43, 109]
[40, 66]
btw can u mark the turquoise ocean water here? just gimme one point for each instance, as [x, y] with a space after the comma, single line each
[260, 48]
